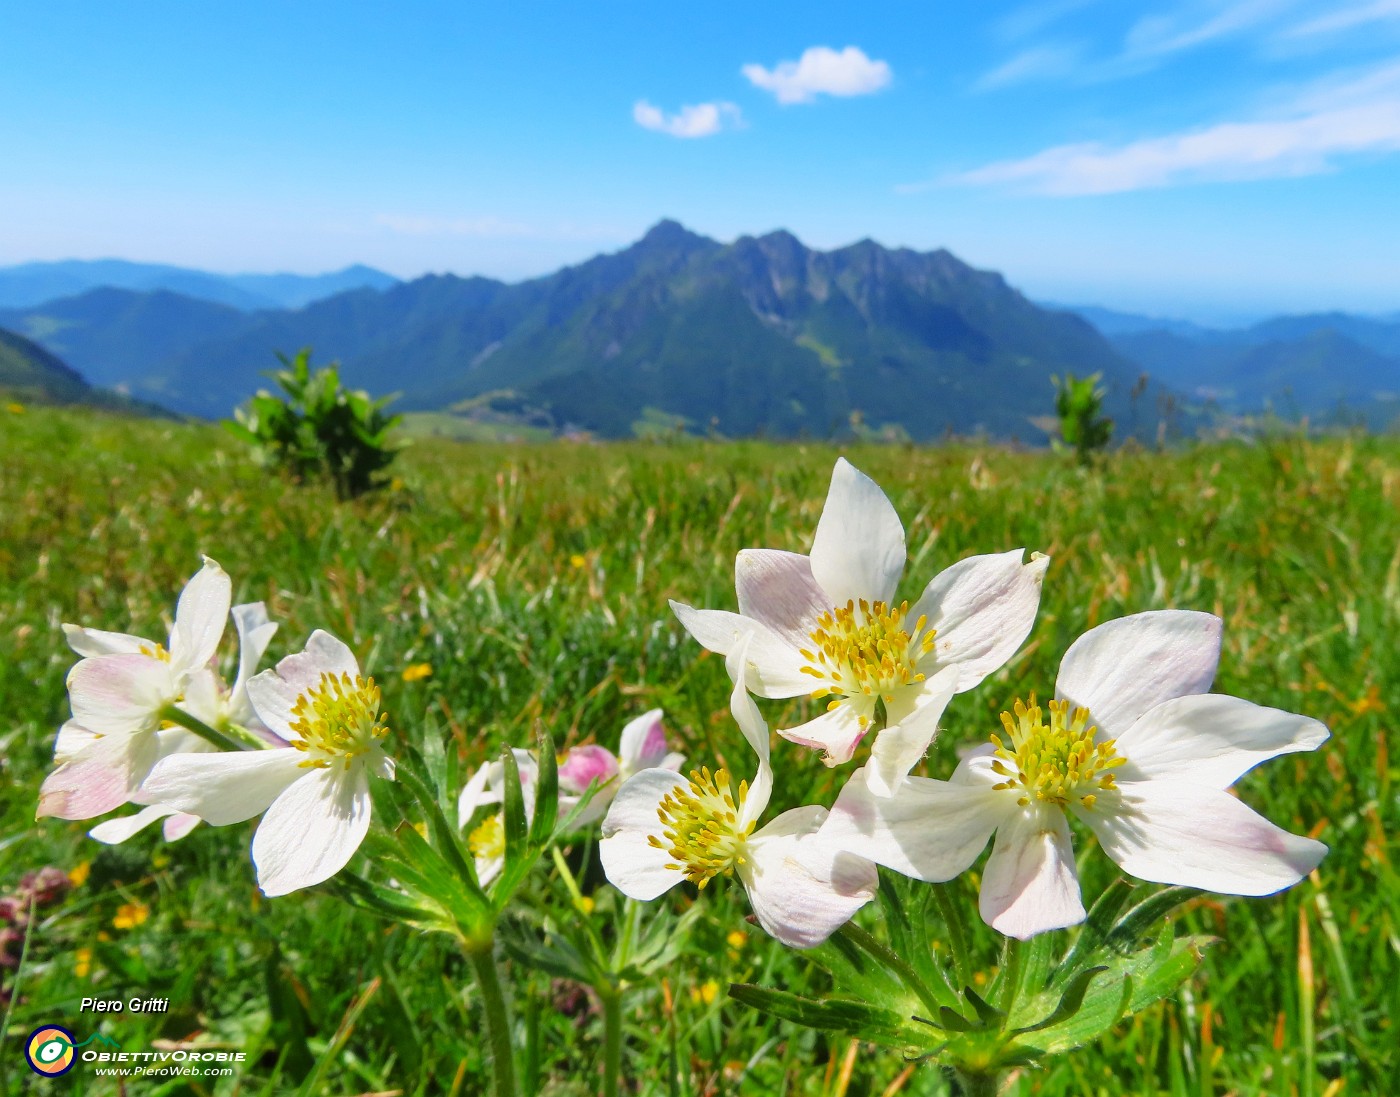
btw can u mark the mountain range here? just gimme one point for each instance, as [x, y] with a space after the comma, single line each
[762, 336]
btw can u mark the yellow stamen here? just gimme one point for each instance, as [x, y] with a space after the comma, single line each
[1058, 762]
[488, 841]
[865, 650]
[700, 826]
[337, 719]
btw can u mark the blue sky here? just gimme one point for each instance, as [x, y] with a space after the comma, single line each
[1213, 158]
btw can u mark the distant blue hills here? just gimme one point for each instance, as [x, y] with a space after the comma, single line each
[763, 336]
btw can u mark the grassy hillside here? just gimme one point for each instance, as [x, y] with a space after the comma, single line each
[533, 580]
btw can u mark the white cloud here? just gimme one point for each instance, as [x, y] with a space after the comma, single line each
[821, 71]
[698, 120]
[1303, 144]
[1156, 35]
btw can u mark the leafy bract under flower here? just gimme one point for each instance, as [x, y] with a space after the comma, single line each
[828, 626]
[315, 790]
[663, 828]
[1133, 747]
[486, 787]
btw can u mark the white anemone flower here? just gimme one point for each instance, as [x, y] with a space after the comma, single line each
[487, 841]
[118, 691]
[1135, 748]
[315, 790]
[827, 624]
[642, 746]
[210, 700]
[662, 829]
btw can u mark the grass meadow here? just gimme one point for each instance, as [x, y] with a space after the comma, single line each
[533, 580]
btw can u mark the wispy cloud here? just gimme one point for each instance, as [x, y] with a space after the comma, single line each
[1345, 19]
[1357, 118]
[1199, 24]
[1036, 63]
[821, 71]
[693, 120]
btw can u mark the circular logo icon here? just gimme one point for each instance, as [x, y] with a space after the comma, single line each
[49, 1050]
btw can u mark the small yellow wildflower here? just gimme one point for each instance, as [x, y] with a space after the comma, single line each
[77, 876]
[15, 409]
[130, 915]
[82, 963]
[576, 561]
[736, 938]
[417, 672]
[585, 904]
[707, 991]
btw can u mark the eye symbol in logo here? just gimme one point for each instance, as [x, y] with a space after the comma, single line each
[49, 1051]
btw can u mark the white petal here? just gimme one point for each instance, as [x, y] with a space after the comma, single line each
[478, 792]
[178, 825]
[775, 666]
[858, 550]
[1210, 739]
[760, 792]
[274, 693]
[312, 830]
[227, 787]
[898, 747]
[204, 697]
[777, 588]
[120, 694]
[72, 740]
[931, 830]
[1126, 666]
[634, 866]
[643, 743]
[200, 617]
[1174, 832]
[741, 705]
[255, 632]
[115, 831]
[90, 641]
[802, 888]
[983, 609]
[837, 732]
[1030, 885]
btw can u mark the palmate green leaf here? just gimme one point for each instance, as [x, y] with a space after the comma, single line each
[859, 1019]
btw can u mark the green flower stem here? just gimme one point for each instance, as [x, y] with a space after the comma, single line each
[612, 1043]
[1012, 952]
[493, 1003]
[220, 739]
[957, 934]
[977, 1084]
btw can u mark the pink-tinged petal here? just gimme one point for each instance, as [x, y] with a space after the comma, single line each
[178, 825]
[1176, 832]
[1030, 885]
[120, 694]
[982, 609]
[775, 666]
[113, 832]
[88, 642]
[633, 865]
[1210, 740]
[931, 830]
[584, 765]
[224, 788]
[96, 781]
[777, 589]
[274, 693]
[642, 744]
[1128, 665]
[858, 550]
[837, 732]
[898, 747]
[312, 830]
[71, 741]
[801, 887]
[200, 617]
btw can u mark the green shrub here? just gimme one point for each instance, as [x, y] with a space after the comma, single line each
[320, 429]
[1078, 403]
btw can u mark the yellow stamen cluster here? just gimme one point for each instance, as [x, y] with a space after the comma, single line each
[488, 841]
[865, 650]
[338, 718]
[1058, 762]
[156, 651]
[700, 826]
